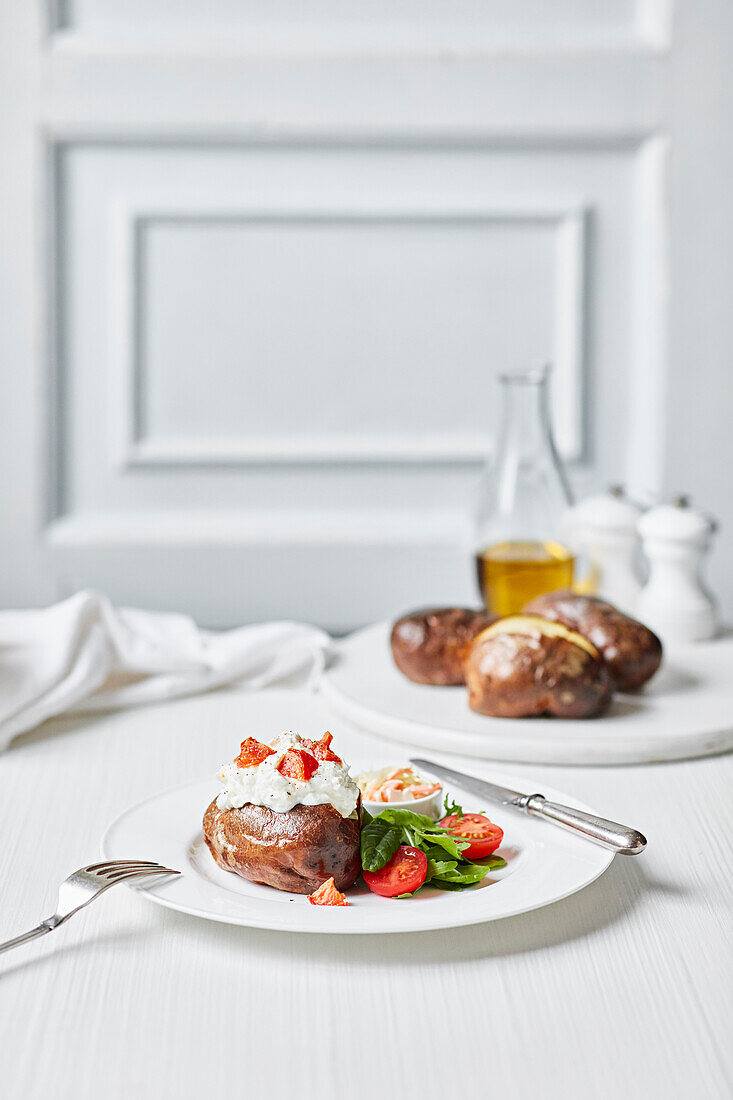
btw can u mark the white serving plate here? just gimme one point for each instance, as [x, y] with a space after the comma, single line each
[544, 864]
[685, 711]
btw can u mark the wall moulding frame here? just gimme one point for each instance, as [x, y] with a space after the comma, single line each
[136, 452]
[649, 31]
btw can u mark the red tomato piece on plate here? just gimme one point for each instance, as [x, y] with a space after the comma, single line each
[327, 894]
[252, 753]
[406, 870]
[298, 764]
[484, 836]
[322, 749]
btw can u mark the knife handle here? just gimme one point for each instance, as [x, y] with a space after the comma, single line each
[619, 838]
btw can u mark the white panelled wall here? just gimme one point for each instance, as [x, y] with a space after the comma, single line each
[262, 267]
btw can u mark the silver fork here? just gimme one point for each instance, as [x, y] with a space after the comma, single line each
[86, 884]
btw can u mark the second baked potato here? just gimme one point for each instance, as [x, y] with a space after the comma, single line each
[524, 666]
[631, 650]
[429, 646]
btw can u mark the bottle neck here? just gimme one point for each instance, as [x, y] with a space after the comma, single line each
[524, 491]
[526, 419]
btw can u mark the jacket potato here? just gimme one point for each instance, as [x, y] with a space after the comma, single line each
[631, 651]
[296, 851]
[524, 666]
[429, 646]
[289, 815]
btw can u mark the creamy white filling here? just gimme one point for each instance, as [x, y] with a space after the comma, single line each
[263, 785]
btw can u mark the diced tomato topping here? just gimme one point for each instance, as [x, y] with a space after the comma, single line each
[298, 764]
[327, 894]
[252, 753]
[322, 749]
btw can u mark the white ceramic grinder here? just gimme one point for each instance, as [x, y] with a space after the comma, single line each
[603, 530]
[674, 601]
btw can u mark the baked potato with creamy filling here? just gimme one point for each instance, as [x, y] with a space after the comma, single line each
[296, 851]
[632, 652]
[430, 646]
[524, 666]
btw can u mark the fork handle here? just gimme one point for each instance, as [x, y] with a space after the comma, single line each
[40, 930]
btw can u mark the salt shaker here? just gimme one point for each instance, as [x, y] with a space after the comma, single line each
[674, 601]
[603, 529]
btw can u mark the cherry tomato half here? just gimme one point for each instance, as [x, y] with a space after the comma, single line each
[404, 873]
[485, 837]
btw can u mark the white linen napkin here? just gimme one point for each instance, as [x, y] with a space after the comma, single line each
[84, 654]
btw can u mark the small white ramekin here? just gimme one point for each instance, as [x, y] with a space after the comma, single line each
[429, 804]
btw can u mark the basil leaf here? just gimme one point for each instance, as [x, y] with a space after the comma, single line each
[379, 842]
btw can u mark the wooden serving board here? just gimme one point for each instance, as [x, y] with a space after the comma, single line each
[685, 711]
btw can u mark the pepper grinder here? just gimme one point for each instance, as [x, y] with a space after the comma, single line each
[674, 601]
[603, 530]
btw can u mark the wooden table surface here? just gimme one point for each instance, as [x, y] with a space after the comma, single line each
[624, 990]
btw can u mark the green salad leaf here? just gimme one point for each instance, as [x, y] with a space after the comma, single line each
[450, 845]
[439, 867]
[410, 820]
[468, 873]
[380, 840]
[447, 869]
[452, 808]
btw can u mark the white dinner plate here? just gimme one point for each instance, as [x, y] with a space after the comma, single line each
[544, 864]
[685, 711]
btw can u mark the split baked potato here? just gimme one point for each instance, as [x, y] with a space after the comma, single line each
[524, 666]
[296, 851]
[430, 646]
[631, 651]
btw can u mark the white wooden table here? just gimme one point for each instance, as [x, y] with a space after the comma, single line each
[623, 991]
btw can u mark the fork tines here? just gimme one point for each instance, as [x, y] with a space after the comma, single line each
[126, 868]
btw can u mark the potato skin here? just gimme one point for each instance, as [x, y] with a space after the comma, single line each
[632, 652]
[430, 646]
[294, 851]
[525, 675]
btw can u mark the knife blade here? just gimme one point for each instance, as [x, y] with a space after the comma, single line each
[600, 830]
[472, 783]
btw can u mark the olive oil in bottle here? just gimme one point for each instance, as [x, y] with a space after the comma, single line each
[522, 502]
[512, 573]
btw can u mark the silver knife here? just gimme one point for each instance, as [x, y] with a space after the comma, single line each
[619, 838]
